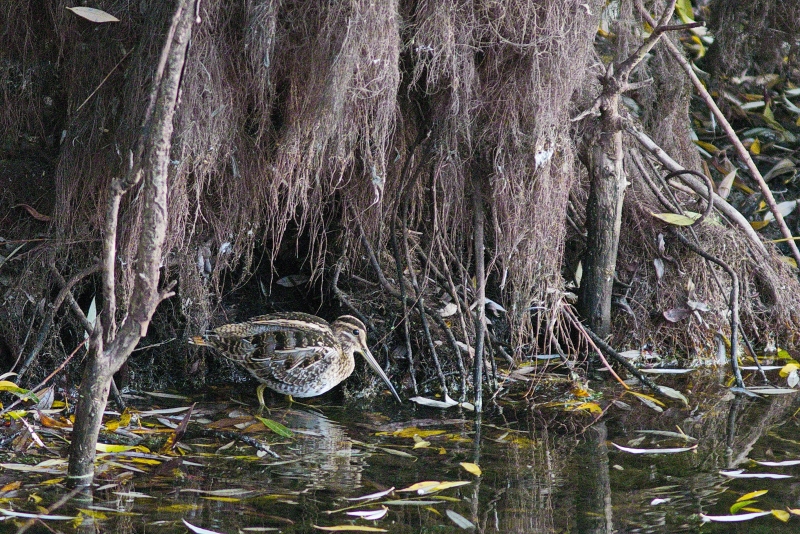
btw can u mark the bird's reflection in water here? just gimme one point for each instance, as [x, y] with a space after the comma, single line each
[324, 452]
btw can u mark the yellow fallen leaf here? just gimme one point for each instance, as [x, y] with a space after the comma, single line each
[751, 495]
[783, 515]
[787, 369]
[412, 431]
[472, 468]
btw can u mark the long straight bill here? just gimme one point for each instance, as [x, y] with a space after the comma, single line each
[377, 368]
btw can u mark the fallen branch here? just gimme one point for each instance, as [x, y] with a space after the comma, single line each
[741, 151]
[719, 203]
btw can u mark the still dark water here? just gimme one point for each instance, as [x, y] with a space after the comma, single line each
[565, 476]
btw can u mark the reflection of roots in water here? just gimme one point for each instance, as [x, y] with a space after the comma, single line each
[324, 451]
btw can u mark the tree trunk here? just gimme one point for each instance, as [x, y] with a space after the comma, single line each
[145, 297]
[603, 220]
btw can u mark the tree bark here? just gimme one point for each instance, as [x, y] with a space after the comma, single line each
[106, 358]
[603, 221]
[607, 188]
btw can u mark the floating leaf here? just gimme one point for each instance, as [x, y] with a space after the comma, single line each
[738, 505]
[370, 515]
[410, 502]
[420, 443]
[793, 379]
[396, 452]
[673, 393]
[459, 519]
[784, 208]
[732, 518]
[472, 468]
[43, 517]
[225, 492]
[783, 515]
[421, 487]
[591, 407]
[22, 393]
[664, 371]
[676, 219]
[350, 528]
[276, 427]
[105, 447]
[668, 434]
[673, 450]
[447, 485]
[412, 431]
[198, 530]
[93, 15]
[784, 166]
[788, 369]
[724, 187]
[752, 495]
[739, 473]
[372, 496]
[645, 397]
[771, 391]
[424, 401]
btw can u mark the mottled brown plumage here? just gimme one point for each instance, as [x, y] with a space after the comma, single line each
[294, 353]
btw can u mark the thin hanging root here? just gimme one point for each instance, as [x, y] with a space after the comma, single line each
[420, 301]
[734, 303]
[387, 286]
[398, 262]
[342, 296]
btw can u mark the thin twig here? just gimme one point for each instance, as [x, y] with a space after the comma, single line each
[398, 262]
[480, 280]
[102, 82]
[44, 331]
[41, 384]
[387, 286]
[420, 302]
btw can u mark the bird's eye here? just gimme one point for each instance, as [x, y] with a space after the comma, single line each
[356, 332]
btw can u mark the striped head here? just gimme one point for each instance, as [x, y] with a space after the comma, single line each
[352, 335]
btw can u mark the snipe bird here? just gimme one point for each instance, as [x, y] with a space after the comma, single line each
[295, 354]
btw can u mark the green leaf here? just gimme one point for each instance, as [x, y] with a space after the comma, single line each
[684, 9]
[276, 427]
[739, 505]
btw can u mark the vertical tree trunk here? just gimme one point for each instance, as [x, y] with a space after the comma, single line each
[603, 220]
[153, 166]
[90, 407]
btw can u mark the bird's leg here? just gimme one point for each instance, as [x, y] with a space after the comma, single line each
[260, 394]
